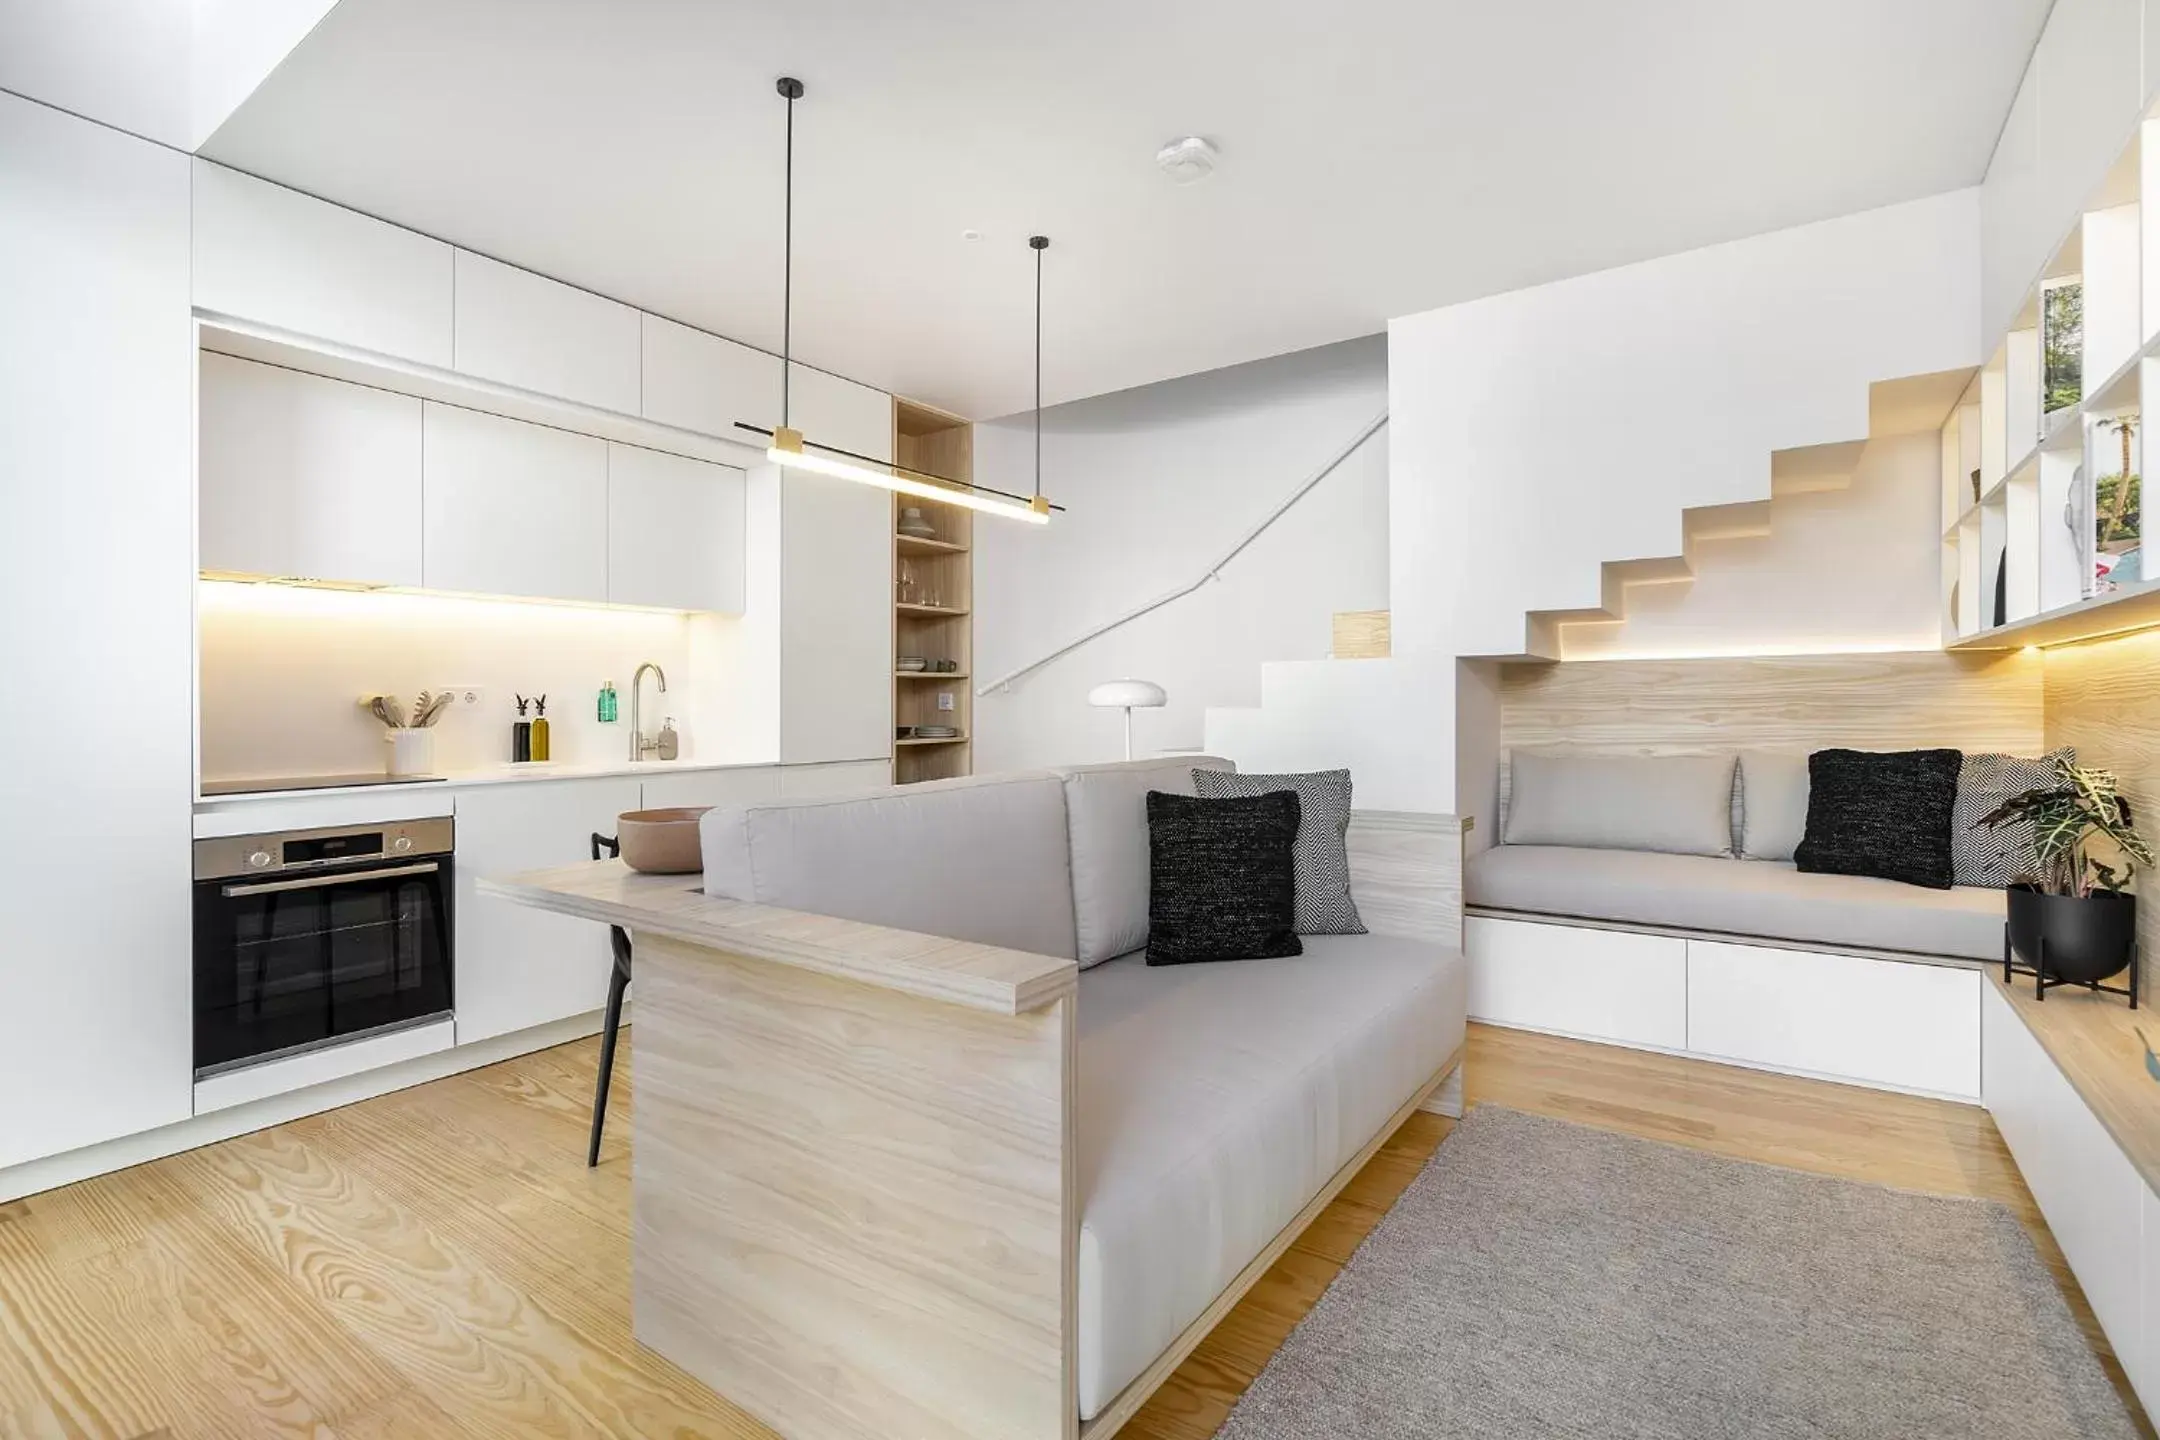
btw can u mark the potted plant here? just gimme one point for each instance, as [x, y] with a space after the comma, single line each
[2071, 915]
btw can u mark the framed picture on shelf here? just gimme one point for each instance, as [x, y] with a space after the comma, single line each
[2062, 343]
[2113, 499]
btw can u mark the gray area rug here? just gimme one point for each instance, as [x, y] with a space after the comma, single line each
[1546, 1279]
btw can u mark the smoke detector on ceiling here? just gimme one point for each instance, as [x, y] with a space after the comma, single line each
[1187, 161]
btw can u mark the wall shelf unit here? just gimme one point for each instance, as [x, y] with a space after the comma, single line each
[933, 592]
[2042, 533]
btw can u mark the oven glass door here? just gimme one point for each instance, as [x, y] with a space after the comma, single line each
[287, 963]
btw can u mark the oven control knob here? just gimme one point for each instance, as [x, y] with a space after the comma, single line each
[259, 859]
[401, 844]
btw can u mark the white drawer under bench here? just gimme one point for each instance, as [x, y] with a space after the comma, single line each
[1892, 1023]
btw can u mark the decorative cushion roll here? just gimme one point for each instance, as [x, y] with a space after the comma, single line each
[1322, 854]
[1222, 878]
[1679, 804]
[1994, 858]
[1881, 814]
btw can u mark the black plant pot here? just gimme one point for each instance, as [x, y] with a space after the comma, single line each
[2088, 939]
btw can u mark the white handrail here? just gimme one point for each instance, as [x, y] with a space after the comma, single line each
[1213, 572]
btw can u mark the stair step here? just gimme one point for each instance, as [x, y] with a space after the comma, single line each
[1361, 635]
[1813, 469]
[1745, 520]
[1657, 570]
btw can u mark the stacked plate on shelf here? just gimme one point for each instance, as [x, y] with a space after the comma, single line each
[912, 664]
[936, 732]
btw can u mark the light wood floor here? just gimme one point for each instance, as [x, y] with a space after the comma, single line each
[439, 1262]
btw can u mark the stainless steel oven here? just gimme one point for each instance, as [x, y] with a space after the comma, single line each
[314, 937]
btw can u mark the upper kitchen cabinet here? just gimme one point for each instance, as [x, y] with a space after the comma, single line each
[300, 476]
[674, 531]
[701, 382]
[280, 258]
[512, 508]
[522, 329]
[841, 414]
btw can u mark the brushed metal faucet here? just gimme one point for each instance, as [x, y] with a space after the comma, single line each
[640, 747]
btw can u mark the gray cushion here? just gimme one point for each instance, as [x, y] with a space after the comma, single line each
[1773, 803]
[1324, 904]
[1763, 898]
[1106, 808]
[1680, 804]
[1985, 781]
[982, 859]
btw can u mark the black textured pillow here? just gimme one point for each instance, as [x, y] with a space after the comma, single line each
[1881, 814]
[1222, 878]
[1995, 857]
[1322, 856]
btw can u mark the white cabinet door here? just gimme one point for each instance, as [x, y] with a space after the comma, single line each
[2145, 1370]
[97, 374]
[1571, 980]
[848, 777]
[675, 532]
[273, 255]
[513, 509]
[517, 967]
[835, 619]
[704, 383]
[841, 414]
[1885, 1022]
[526, 330]
[743, 786]
[302, 476]
[2091, 1196]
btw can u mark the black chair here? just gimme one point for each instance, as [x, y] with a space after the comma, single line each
[617, 983]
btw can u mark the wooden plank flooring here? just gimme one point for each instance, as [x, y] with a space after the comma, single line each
[439, 1262]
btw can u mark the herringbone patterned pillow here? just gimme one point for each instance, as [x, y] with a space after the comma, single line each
[1324, 904]
[1996, 857]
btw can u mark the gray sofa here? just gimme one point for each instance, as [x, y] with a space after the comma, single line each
[1214, 1101]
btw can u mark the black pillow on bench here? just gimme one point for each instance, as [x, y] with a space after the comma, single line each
[1222, 877]
[1881, 814]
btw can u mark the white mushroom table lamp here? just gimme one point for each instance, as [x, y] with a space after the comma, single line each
[1128, 695]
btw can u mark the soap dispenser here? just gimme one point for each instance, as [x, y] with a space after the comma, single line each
[607, 702]
[539, 747]
[670, 744]
[521, 734]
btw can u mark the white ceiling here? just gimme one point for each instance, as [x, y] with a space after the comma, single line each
[1379, 157]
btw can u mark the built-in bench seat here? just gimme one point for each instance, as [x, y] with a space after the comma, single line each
[1760, 899]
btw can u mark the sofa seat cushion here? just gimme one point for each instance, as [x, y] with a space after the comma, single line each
[1763, 898]
[1215, 1101]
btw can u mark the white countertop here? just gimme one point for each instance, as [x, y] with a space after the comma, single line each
[527, 774]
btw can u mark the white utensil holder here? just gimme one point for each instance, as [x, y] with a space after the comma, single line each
[412, 751]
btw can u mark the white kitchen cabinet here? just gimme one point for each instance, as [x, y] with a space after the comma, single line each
[675, 532]
[835, 619]
[97, 572]
[2091, 1196]
[303, 476]
[704, 383]
[1885, 1022]
[2145, 1367]
[517, 967]
[1571, 980]
[841, 414]
[512, 508]
[745, 785]
[276, 256]
[522, 329]
[846, 777]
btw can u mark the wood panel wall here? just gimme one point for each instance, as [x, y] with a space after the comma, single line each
[2104, 698]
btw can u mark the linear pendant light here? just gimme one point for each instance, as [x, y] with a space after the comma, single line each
[791, 449]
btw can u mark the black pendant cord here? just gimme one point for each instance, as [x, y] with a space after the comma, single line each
[790, 89]
[1038, 243]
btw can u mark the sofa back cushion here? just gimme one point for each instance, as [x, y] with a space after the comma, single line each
[985, 859]
[1106, 806]
[1678, 804]
[1773, 803]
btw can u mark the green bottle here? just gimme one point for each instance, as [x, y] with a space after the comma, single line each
[607, 702]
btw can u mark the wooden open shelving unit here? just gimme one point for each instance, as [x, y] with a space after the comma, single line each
[933, 597]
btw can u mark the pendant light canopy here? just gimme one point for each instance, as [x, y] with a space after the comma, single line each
[792, 449]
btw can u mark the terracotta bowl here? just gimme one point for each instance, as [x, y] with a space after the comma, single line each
[662, 842]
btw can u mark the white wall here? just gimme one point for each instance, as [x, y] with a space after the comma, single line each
[284, 667]
[1540, 433]
[1159, 482]
[1840, 570]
